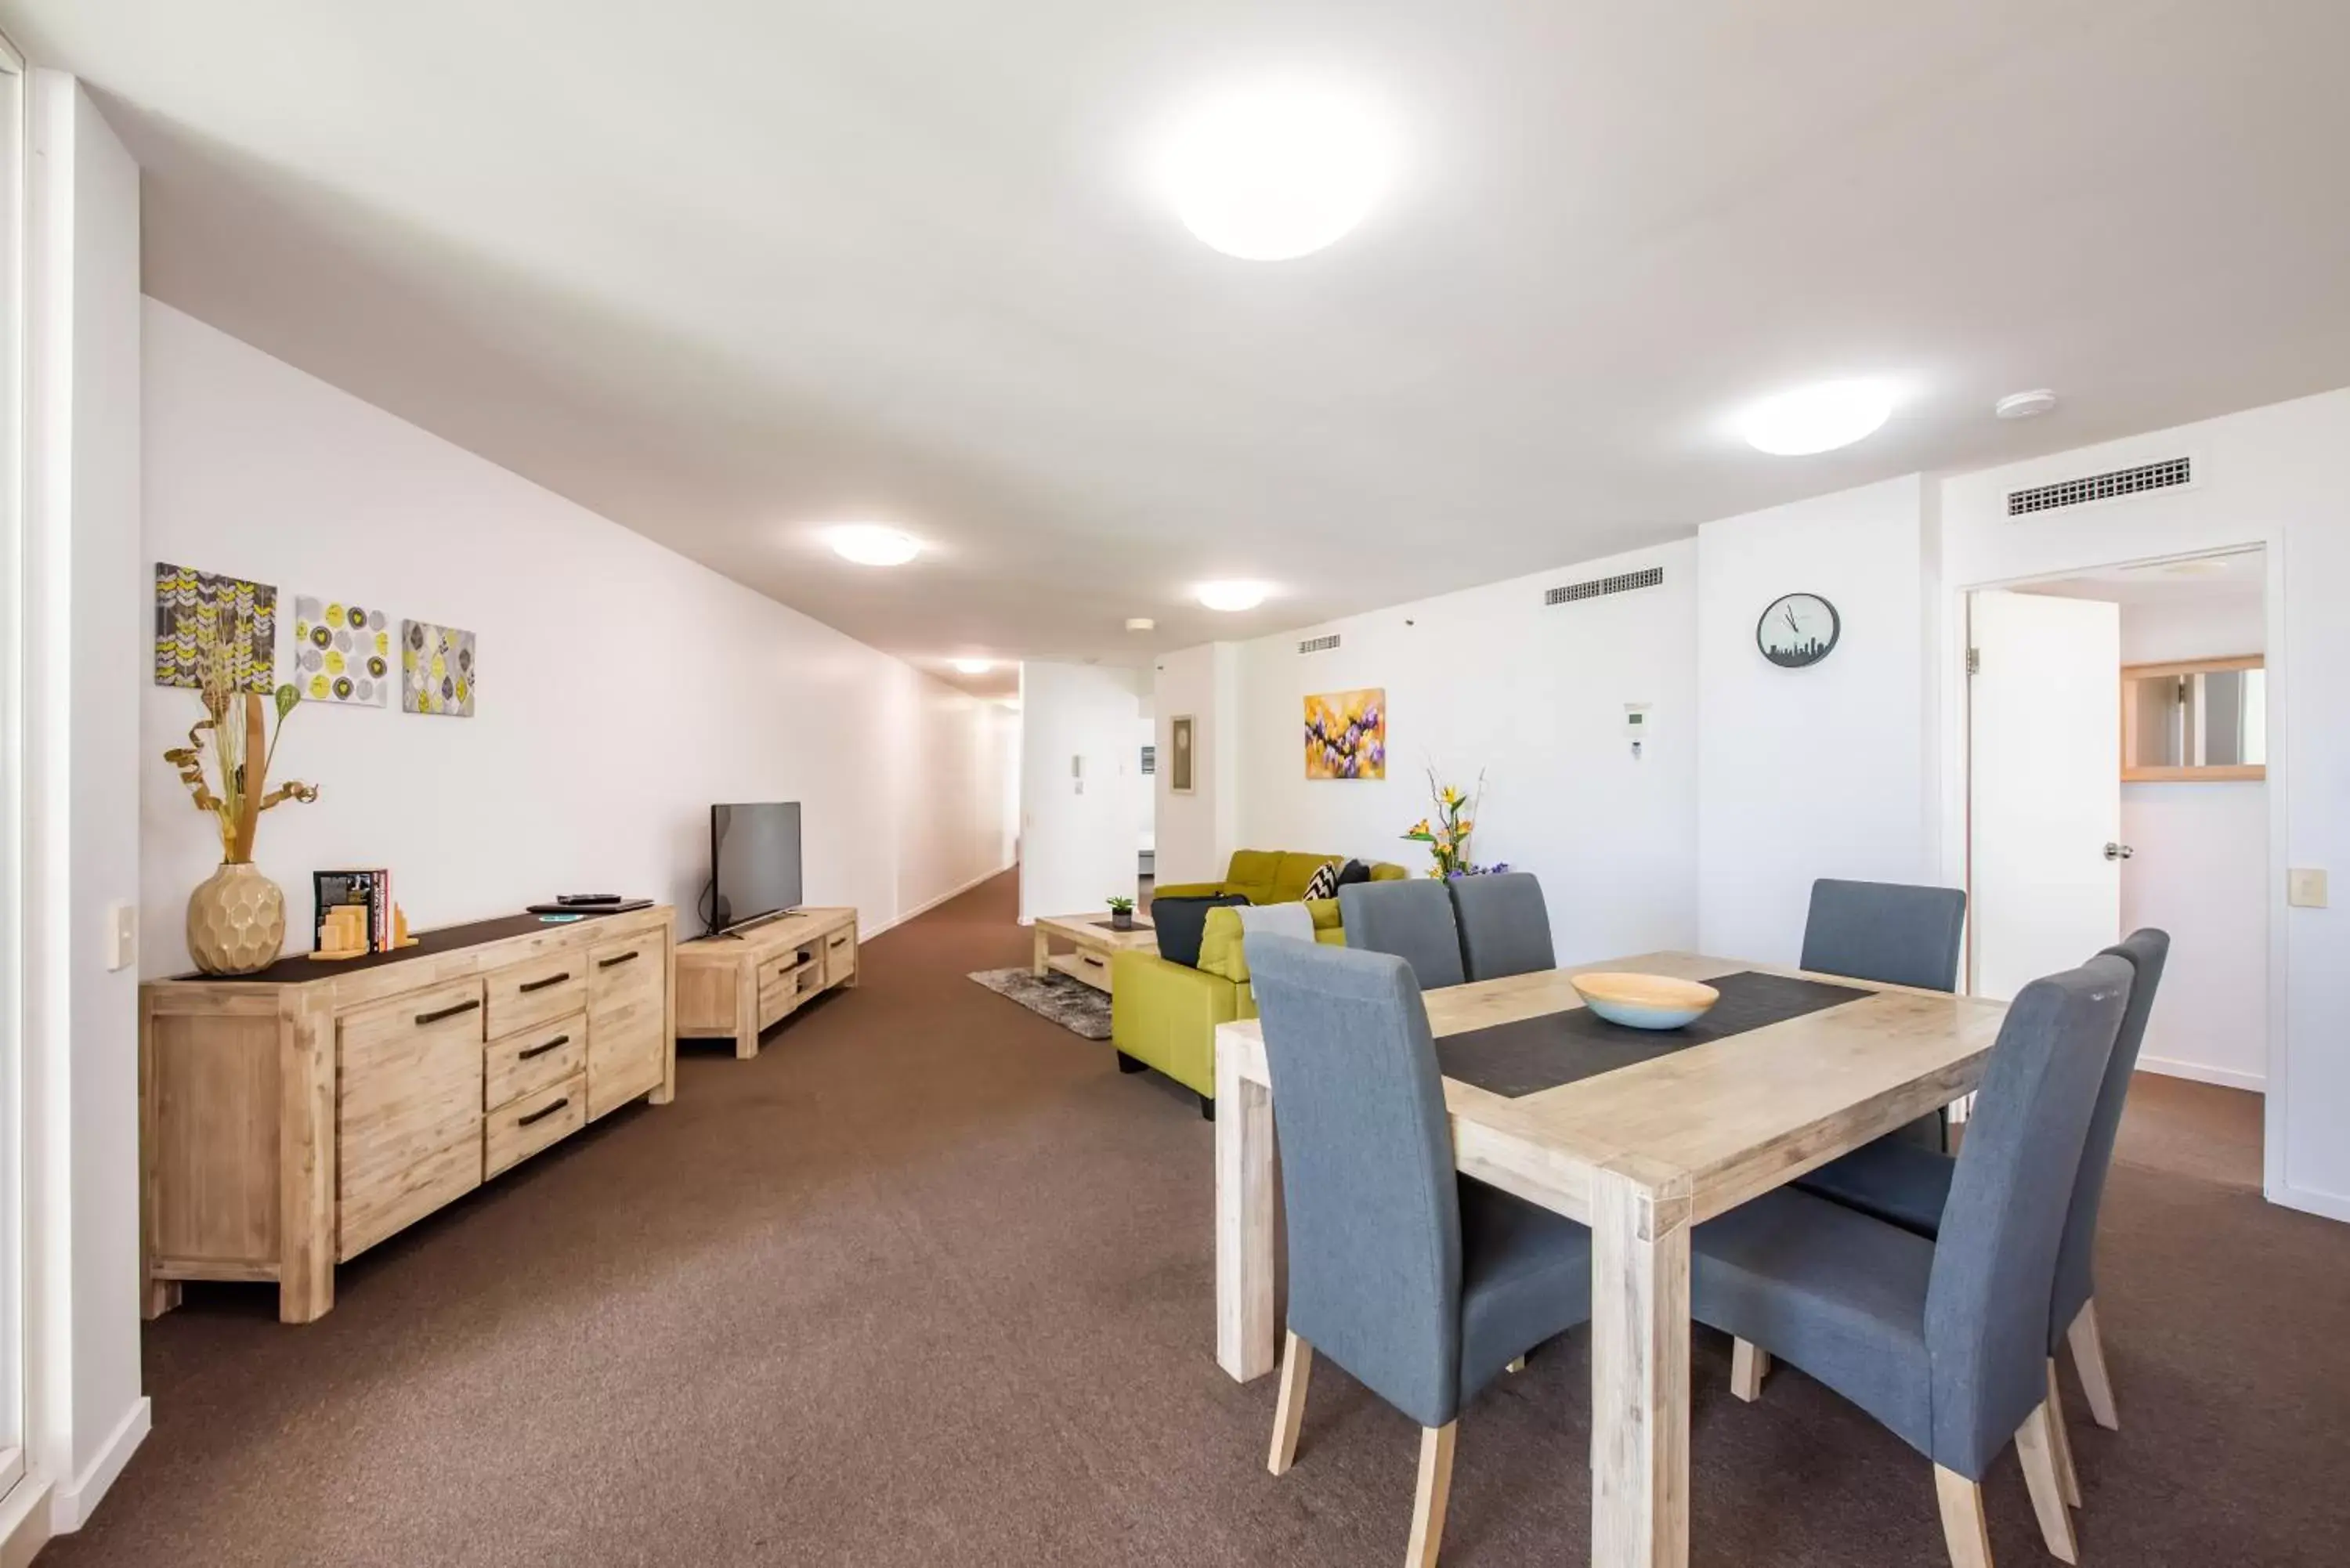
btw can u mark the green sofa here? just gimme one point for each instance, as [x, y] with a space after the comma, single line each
[1163, 1014]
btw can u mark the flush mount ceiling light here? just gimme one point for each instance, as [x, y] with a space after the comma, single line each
[1817, 418]
[1274, 170]
[1232, 597]
[871, 545]
[973, 666]
[1141, 623]
[2024, 405]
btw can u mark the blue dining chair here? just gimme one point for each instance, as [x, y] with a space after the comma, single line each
[1421, 1283]
[1412, 920]
[1894, 933]
[1910, 1187]
[1945, 1340]
[1504, 924]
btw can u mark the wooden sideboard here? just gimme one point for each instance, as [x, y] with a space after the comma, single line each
[291, 1119]
[733, 987]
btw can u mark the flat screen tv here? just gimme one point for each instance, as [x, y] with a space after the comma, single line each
[755, 862]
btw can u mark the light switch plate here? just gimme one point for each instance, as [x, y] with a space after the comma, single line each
[2304, 889]
[121, 936]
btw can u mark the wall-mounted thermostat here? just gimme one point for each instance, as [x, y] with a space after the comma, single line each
[1636, 726]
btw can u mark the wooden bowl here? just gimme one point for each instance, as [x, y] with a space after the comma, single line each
[1645, 1001]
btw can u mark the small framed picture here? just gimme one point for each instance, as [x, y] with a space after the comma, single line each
[1179, 755]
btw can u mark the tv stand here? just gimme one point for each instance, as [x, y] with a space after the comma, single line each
[735, 985]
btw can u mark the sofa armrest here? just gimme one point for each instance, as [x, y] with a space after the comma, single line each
[1164, 1013]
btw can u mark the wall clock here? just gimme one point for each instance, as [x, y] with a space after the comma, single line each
[1798, 630]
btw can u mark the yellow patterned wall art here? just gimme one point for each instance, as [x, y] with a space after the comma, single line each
[342, 653]
[1346, 735]
[185, 599]
[437, 674]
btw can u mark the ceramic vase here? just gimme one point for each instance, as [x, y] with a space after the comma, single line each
[236, 921]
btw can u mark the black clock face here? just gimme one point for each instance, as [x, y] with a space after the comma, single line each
[1797, 631]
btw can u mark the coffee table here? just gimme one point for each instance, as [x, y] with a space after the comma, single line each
[1094, 941]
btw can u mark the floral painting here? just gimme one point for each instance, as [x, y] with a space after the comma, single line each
[1346, 735]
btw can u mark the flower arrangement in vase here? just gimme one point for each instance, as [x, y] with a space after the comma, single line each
[236, 917]
[1446, 832]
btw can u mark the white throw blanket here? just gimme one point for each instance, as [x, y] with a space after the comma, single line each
[1276, 919]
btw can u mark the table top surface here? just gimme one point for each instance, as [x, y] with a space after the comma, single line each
[1721, 1114]
[1095, 927]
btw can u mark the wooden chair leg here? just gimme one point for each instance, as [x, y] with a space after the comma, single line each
[2061, 1440]
[1296, 1366]
[1434, 1492]
[2037, 1447]
[1963, 1529]
[2089, 1361]
[1749, 1365]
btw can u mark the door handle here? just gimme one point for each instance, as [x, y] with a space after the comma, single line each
[2119, 851]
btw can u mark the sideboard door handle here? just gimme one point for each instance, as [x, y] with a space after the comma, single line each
[530, 985]
[542, 1113]
[466, 1007]
[543, 1050]
[606, 963]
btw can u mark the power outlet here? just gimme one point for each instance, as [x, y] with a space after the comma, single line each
[2304, 889]
[121, 936]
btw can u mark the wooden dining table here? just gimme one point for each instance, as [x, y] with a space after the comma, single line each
[1640, 1152]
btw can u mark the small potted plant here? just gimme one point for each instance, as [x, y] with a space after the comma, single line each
[1121, 914]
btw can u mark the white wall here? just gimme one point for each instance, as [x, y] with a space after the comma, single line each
[83, 632]
[2201, 869]
[1198, 832]
[624, 688]
[2270, 476]
[1823, 772]
[1492, 678]
[1076, 834]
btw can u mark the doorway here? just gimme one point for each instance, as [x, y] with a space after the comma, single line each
[2117, 749]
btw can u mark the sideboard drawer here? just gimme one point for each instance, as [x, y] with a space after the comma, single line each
[408, 1110]
[522, 994]
[529, 1060]
[625, 1053]
[514, 1132]
[788, 964]
[625, 972]
[839, 955]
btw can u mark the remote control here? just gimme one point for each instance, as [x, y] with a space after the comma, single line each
[587, 898]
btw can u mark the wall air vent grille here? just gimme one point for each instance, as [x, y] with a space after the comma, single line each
[1318, 644]
[2168, 474]
[1622, 583]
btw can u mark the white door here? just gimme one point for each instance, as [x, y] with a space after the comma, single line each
[2044, 737]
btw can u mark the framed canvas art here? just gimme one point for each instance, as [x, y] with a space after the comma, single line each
[1346, 735]
[342, 652]
[437, 670]
[187, 602]
[1179, 755]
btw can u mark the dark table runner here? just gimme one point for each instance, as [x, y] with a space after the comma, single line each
[1537, 1054]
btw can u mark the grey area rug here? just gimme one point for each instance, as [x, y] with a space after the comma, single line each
[1071, 1003]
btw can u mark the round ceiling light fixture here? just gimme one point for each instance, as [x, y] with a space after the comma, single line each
[1817, 418]
[973, 666]
[1274, 170]
[2026, 405]
[871, 545]
[1141, 623]
[1232, 597]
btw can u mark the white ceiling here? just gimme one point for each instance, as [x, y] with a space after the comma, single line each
[723, 270]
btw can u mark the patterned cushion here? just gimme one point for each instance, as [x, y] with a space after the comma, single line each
[1325, 881]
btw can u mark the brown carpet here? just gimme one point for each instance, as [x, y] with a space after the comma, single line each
[929, 1283]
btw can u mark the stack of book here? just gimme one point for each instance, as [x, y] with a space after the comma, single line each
[369, 890]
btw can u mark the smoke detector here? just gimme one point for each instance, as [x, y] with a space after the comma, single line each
[2026, 405]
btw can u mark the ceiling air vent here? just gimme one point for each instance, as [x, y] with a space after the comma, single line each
[2170, 474]
[1318, 644]
[1622, 583]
